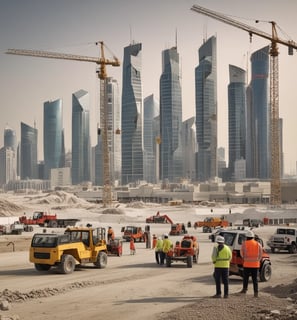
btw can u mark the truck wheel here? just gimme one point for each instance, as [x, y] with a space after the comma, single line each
[67, 264]
[53, 224]
[101, 260]
[265, 272]
[273, 250]
[189, 261]
[42, 267]
[168, 261]
[293, 248]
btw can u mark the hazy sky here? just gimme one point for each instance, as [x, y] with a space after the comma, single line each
[73, 26]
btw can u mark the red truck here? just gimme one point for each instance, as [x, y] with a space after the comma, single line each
[44, 219]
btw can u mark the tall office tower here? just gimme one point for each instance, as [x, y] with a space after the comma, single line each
[206, 110]
[236, 117]
[171, 167]
[28, 158]
[189, 148]
[10, 141]
[258, 117]
[113, 138]
[7, 165]
[81, 146]
[53, 136]
[150, 112]
[132, 115]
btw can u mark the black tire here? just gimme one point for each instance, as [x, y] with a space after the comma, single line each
[273, 250]
[42, 267]
[189, 261]
[53, 224]
[265, 272]
[195, 257]
[101, 260]
[168, 261]
[67, 264]
[293, 248]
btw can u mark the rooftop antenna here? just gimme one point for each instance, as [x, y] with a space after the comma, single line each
[176, 38]
[204, 32]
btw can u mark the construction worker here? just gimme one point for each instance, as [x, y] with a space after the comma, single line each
[110, 234]
[132, 246]
[221, 257]
[158, 249]
[167, 245]
[155, 239]
[251, 252]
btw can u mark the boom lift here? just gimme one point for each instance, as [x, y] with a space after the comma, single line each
[275, 198]
[102, 75]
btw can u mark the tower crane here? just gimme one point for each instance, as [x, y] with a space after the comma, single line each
[275, 197]
[102, 75]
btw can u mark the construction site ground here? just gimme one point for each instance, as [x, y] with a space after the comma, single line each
[134, 287]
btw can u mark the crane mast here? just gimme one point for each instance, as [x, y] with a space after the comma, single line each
[275, 197]
[102, 75]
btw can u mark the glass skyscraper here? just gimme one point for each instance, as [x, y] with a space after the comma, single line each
[81, 146]
[206, 111]
[10, 140]
[258, 117]
[171, 167]
[151, 111]
[236, 117]
[53, 136]
[28, 152]
[132, 115]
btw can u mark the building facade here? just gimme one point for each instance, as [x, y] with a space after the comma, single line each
[150, 112]
[53, 136]
[28, 152]
[206, 111]
[81, 145]
[258, 117]
[171, 166]
[132, 115]
[236, 118]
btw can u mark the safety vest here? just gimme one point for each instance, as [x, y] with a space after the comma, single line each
[159, 245]
[251, 252]
[167, 244]
[221, 258]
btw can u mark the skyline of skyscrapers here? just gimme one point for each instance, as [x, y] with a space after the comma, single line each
[147, 139]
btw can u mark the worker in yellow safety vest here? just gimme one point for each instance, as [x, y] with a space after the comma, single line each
[167, 245]
[158, 249]
[221, 257]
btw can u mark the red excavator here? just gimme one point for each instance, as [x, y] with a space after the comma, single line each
[157, 218]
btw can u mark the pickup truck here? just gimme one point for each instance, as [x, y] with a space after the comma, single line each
[283, 239]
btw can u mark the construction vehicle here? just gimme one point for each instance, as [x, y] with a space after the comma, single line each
[186, 251]
[252, 223]
[102, 75]
[44, 219]
[14, 228]
[210, 223]
[234, 239]
[275, 198]
[177, 229]
[115, 247]
[159, 219]
[283, 239]
[133, 232]
[76, 246]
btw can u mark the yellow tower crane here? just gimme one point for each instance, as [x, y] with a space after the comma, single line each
[275, 197]
[102, 75]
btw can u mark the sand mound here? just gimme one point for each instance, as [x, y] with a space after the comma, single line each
[8, 208]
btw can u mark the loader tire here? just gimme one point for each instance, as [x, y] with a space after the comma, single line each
[101, 261]
[265, 272]
[67, 264]
[189, 261]
[42, 267]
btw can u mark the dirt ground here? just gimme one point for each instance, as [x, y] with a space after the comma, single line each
[134, 287]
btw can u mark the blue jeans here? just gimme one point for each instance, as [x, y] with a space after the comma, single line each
[221, 275]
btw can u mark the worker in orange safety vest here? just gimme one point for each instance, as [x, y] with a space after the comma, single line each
[251, 251]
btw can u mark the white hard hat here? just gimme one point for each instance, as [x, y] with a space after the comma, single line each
[165, 235]
[220, 239]
[250, 234]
